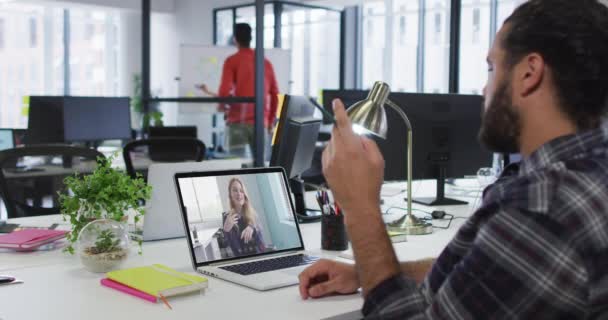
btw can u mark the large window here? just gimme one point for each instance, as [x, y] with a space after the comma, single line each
[376, 56]
[93, 53]
[247, 15]
[405, 45]
[313, 36]
[437, 46]
[397, 52]
[474, 44]
[32, 55]
[480, 20]
[28, 65]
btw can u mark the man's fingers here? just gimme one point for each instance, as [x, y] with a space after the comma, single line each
[326, 155]
[342, 120]
[371, 148]
[306, 277]
[323, 288]
[343, 129]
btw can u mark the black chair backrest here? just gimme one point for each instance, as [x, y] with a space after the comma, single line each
[30, 176]
[169, 149]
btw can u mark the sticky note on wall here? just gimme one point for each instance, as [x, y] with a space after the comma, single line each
[25, 106]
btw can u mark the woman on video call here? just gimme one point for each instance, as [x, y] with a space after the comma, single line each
[241, 229]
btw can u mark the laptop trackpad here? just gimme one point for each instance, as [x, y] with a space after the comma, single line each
[294, 271]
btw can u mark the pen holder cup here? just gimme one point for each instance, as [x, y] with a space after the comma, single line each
[333, 233]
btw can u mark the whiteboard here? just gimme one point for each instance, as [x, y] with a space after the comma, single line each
[203, 64]
[200, 64]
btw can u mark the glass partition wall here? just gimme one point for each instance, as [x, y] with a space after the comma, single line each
[303, 42]
[311, 34]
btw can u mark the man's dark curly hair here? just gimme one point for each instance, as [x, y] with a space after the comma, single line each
[572, 38]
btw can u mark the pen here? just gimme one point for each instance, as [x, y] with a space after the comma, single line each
[320, 202]
[326, 115]
[165, 301]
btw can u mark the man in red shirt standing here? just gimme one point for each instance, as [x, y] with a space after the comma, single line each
[238, 80]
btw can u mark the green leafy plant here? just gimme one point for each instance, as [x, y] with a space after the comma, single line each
[107, 193]
[153, 116]
[106, 242]
[136, 102]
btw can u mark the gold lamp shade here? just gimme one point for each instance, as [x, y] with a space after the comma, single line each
[369, 115]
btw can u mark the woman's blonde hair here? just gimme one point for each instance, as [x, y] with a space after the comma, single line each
[248, 212]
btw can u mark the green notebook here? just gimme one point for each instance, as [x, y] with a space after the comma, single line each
[158, 279]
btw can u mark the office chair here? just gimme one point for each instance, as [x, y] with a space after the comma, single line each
[30, 176]
[166, 149]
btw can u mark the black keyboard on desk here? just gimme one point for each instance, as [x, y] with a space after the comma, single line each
[270, 264]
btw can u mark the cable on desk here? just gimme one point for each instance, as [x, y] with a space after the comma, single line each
[429, 216]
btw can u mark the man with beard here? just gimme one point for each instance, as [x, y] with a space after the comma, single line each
[538, 245]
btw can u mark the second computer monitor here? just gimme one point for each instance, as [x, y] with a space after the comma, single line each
[293, 147]
[58, 119]
[444, 127]
[295, 135]
[45, 120]
[88, 119]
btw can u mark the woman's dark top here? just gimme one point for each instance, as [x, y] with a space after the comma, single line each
[237, 245]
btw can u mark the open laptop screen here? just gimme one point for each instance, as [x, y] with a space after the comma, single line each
[238, 213]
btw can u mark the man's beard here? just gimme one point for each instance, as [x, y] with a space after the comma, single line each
[500, 124]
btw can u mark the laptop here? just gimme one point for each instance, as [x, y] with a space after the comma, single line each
[162, 219]
[241, 226]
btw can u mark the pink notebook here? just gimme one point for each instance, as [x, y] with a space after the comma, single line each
[126, 289]
[30, 238]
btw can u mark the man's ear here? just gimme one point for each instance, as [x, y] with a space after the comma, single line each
[531, 71]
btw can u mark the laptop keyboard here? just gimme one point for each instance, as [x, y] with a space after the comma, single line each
[270, 264]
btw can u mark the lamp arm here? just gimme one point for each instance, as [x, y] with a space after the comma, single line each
[402, 114]
[409, 152]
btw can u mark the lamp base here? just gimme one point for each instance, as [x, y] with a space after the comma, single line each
[438, 201]
[410, 225]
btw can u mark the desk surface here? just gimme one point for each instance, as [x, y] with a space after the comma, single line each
[57, 287]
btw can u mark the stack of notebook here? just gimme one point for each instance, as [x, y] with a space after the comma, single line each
[30, 239]
[154, 282]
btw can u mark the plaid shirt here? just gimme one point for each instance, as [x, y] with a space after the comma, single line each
[537, 248]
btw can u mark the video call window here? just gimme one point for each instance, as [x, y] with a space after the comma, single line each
[235, 216]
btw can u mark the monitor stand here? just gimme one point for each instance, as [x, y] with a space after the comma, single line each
[440, 199]
[304, 215]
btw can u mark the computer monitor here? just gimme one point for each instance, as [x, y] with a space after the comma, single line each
[348, 97]
[45, 121]
[6, 139]
[57, 119]
[92, 119]
[173, 131]
[293, 146]
[444, 127]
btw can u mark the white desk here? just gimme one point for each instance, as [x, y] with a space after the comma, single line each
[57, 287]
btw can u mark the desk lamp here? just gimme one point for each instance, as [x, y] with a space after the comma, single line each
[369, 116]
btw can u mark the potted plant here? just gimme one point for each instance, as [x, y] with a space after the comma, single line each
[107, 193]
[103, 245]
[152, 117]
